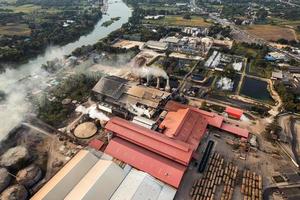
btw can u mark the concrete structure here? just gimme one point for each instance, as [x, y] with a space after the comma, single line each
[120, 94]
[161, 46]
[277, 75]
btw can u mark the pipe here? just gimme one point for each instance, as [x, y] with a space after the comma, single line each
[158, 83]
[148, 80]
[168, 88]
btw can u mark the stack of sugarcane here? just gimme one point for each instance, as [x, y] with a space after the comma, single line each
[205, 187]
[251, 186]
[229, 178]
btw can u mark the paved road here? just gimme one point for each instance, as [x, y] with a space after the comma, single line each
[244, 35]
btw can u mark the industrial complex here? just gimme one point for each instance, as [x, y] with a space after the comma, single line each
[172, 107]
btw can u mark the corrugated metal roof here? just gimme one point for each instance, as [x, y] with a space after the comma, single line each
[139, 185]
[96, 144]
[213, 119]
[185, 125]
[154, 164]
[64, 181]
[242, 132]
[99, 183]
[151, 140]
[234, 112]
[110, 86]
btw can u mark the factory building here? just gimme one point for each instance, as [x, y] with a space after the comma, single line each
[128, 97]
[88, 177]
[212, 119]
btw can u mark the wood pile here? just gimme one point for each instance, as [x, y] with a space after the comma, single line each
[230, 174]
[205, 187]
[251, 186]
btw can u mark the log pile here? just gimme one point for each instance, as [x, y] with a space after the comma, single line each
[251, 186]
[205, 187]
[229, 178]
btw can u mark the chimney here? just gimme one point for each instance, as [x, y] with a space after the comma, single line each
[168, 88]
[158, 83]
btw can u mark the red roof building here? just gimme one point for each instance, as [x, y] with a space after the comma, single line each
[212, 119]
[154, 164]
[96, 144]
[185, 125]
[234, 112]
[241, 132]
[151, 140]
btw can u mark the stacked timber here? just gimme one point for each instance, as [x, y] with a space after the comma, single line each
[251, 186]
[229, 178]
[205, 187]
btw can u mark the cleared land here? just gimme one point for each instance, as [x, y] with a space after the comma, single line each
[272, 33]
[15, 29]
[176, 20]
[28, 8]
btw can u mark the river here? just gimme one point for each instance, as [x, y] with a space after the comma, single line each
[15, 106]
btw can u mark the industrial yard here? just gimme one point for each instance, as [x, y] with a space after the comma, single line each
[172, 107]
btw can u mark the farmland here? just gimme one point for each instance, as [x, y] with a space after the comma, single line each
[175, 20]
[15, 29]
[271, 32]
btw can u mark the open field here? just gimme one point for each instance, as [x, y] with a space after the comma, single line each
[163, 7]
[27, 8]
[15, 29]
[272, 33]
[176, 20]
[287, 23]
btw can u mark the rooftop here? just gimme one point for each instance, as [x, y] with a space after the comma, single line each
[154, 164]
[150, 140]
[212, 119]
[157, 45]
[185, 125]
[111, 86]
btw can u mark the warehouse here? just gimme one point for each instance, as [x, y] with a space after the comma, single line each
[185, 125]
[88, 177]
[140, 185]
[158, 166]
[151, 140]
[212, 119]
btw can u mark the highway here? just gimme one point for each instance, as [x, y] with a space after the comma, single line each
[244, 35]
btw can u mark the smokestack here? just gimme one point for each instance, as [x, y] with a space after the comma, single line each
[168, 88]
[158, 83]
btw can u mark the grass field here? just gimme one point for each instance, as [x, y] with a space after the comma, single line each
[175, 20]
[163, 7]
[286, 23]
[271, 32]
[27, 8]
[15, 29]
